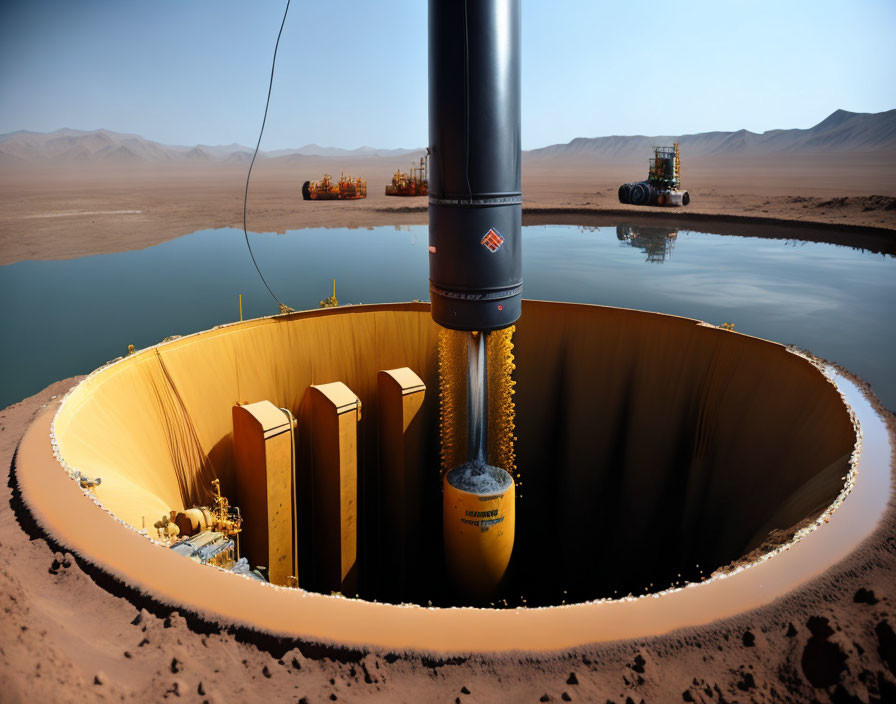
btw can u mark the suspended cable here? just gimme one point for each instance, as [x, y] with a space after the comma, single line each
[283, 307]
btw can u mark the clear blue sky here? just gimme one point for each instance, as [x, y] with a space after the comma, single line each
[195, 71]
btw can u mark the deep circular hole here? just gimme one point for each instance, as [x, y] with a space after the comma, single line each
[651, 450]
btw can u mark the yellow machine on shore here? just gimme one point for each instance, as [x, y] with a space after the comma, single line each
[347, 188]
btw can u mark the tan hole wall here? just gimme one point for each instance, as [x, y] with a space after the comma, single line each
[649, 444]
[646, 442]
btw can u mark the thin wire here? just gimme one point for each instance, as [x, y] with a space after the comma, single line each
[252, 163]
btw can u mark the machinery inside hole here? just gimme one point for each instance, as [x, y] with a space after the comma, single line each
[643, 451]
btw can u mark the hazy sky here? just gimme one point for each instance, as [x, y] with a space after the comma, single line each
[196, 71]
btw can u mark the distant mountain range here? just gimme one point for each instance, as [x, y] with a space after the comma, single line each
[78, 146]
[68, 146]
[315, 150]
[842, 131]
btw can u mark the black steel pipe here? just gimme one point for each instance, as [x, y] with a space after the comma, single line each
[475, 198]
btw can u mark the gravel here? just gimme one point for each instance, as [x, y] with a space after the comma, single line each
[479, 478]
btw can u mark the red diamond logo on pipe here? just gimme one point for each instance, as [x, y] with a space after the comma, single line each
[492, 240]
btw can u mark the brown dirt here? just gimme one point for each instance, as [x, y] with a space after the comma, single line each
[64, 212]
[70, 633]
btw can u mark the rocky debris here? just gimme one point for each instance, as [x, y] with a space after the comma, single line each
[865, 596]
[177, 689]
[865, 203]
[479, 478]
[878, 203]
[572, 679]
[841, 202]
[746, 682]
[886, 645]
[791, 630]
[701, 691]
[60, 561]
[174, 619]
[823, 662]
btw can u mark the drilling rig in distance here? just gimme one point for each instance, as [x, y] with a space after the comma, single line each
[663, 184]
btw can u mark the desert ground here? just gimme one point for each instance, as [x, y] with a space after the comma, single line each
[65, 211]
[71, 633]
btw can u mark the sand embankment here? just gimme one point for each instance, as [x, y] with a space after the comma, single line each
[60, 212]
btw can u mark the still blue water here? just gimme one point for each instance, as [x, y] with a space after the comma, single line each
[62, 318]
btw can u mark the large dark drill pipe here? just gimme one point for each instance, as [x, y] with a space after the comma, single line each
[475, 199]
[475, 252]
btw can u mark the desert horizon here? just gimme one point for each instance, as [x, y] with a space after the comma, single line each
[78, 198]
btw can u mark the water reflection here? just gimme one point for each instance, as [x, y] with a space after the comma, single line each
[656, 242]
[411, 230]
[73, 315]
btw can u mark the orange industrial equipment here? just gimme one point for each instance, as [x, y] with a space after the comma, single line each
[347, 188]
[415, 183]
[223, 518]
